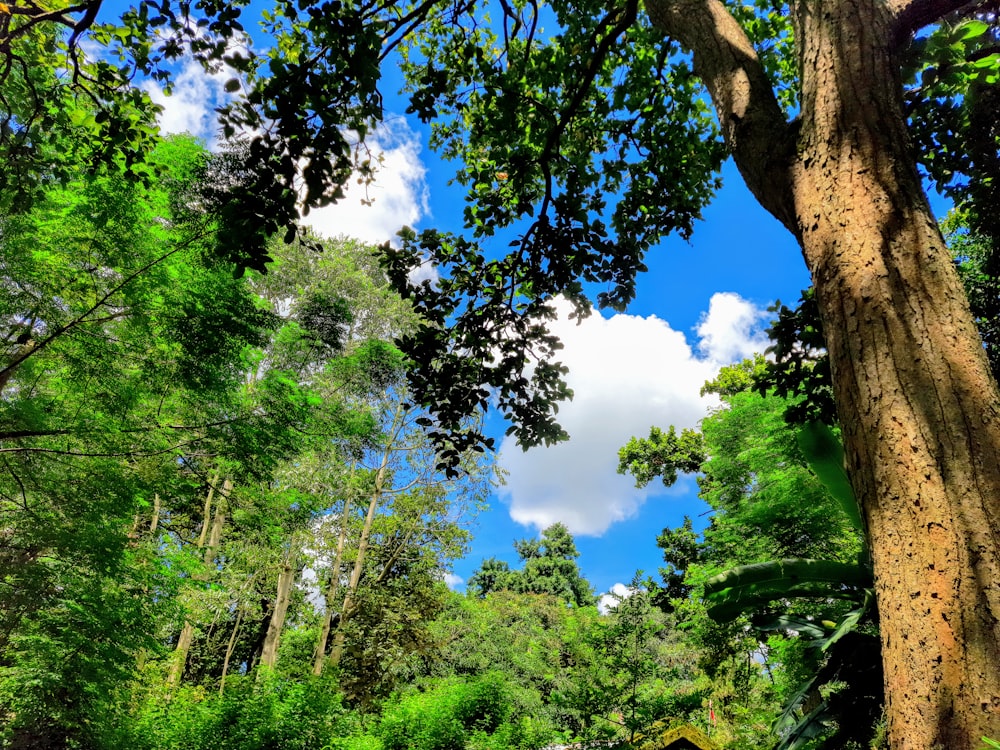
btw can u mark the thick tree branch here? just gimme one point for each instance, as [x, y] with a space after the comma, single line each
[753, 124]
[909, 16]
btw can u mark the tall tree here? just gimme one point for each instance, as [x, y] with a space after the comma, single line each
[548, 567]
[549, 128]
[808, 101]
[110, 392]
[405, 513]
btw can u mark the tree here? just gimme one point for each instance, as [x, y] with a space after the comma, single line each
[492, 575]
[632, 665]
[111, 390]
[783, 553]
[544, 648]
[549, 567]
[399, 521]
[808, 101]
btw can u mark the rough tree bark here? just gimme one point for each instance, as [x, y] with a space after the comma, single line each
[915, 396]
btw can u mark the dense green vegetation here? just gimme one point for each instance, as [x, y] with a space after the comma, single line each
[225, 525]
[228, 497]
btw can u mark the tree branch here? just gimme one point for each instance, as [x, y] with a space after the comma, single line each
[616, 23]
[83, 318]
[909, 16]
[755, 129]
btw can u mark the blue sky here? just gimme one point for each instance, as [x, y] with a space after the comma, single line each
[738, 249]
[701, 305]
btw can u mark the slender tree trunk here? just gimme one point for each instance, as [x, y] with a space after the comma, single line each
[209, 540]
[917, 402]
[330, 598]
[230, 648]
[359, 562]
[154, 522]
[269, 654]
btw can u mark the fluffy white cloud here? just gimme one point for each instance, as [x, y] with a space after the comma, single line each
[372, 213]
[398, 196]
[610, 600]
[732, 329]
[195, 94]
[453, 580]
[628, 373]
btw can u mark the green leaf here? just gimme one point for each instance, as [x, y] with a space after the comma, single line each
[809, 727]
[849, 621]
[825, 455]
[748, 587]
[784, 623]
[972, 29]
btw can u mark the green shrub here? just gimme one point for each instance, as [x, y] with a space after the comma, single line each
[424, 721]
[355, 742]
[252, 714]
[485, 704]
[451, 715]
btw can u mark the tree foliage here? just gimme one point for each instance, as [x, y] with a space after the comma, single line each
[549, 567]
[581, 146]
[783, 557]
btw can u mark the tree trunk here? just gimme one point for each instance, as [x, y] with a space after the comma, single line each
[209, 541]
[269, 654]
[916, 400]
[330, 598]
[377, 496]
[230, 648]
[359, 563]
[155, 520]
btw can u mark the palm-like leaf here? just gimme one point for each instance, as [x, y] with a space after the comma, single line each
[748, 587]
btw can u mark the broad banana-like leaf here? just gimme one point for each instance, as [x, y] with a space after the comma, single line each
[850, 621]
[807, 728]
[811, 629]
[825, 455]
[749, 587]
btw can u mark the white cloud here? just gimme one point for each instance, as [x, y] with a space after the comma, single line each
[628, 373]
[732, 329]
[195, 95]
[372, 213]
[453, 580]
[610, 600]
[398, 197]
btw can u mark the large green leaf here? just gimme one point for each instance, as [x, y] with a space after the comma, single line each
[809, 628]
[809, 727]
[825, 455]
[749, 587]
[849, 622]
